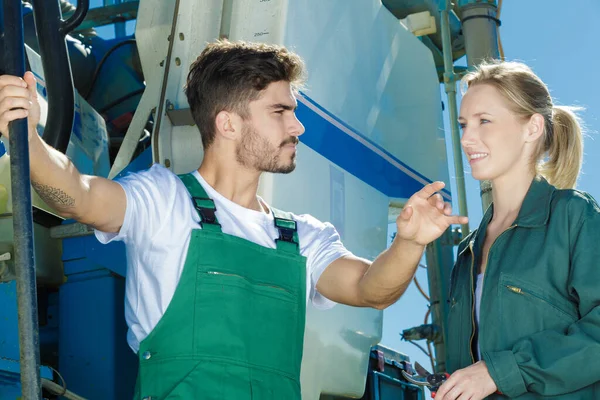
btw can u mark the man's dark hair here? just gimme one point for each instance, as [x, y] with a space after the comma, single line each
[229, 75]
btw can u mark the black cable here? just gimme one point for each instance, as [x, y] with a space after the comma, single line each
[498, 22]
[120, 100]
[56, 389]
[63, 385]
[77, 18]
[101, 64]
[420, 347]
[59, 389]
[420, 288]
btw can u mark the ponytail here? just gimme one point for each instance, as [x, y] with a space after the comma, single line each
[564, 148]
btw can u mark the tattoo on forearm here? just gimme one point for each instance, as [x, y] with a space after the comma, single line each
[53, 196]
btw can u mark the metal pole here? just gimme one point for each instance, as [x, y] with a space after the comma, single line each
[439, 254]
[439, 258]
[480, 28]
[450, 87]
[31, 386]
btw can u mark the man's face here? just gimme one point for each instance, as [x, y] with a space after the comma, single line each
[270, 135]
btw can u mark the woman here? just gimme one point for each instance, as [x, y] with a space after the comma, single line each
[525, 291]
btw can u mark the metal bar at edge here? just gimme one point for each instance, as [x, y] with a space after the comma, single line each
[31, 386]
[450, 87]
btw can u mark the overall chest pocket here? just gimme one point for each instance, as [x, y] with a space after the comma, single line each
[215, 278]
[527, 308]
[239, 318]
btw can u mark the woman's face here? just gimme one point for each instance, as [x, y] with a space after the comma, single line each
[496, 141]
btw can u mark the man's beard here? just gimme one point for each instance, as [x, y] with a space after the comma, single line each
[257, 153]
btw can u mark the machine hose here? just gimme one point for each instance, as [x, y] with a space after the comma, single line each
[59, 390]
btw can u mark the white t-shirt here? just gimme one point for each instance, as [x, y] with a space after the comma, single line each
[478, 291]
[157, 228]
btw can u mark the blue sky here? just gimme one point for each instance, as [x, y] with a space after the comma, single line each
[559, 42]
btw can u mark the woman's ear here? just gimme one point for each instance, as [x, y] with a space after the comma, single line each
[535, 127]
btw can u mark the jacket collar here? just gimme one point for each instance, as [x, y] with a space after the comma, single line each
[535, 210]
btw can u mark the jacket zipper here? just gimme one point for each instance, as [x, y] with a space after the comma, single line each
[518, 290]
[483, 285]
[249, 281]
[473, 303]
[515, 289]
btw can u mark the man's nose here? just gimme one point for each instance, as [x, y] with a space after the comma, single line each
[297, 128]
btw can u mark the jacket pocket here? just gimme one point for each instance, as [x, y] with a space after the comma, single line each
[536, 293]
[527, 308]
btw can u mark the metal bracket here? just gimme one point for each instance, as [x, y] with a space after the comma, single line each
[179, 117]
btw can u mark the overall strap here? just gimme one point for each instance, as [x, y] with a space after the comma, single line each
[202, 203]
[288, 231]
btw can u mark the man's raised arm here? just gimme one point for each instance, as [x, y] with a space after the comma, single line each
[357, 282]
[88, 199]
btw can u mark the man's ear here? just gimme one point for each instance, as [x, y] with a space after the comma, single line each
[535, 127]
[225, 124]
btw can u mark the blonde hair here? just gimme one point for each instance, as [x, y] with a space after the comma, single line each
[560, 152]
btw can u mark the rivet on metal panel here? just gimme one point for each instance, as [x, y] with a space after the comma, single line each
[177, 61]
[167, 163]
[181, 37]
[162, 63]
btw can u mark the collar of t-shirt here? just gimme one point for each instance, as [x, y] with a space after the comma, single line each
[240, 212]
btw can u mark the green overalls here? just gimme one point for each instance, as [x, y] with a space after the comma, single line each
[235, 326]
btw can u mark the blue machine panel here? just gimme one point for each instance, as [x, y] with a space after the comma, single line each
[10, 377]
[94, 357]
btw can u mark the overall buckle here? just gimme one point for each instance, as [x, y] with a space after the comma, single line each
[287, 228]
[206, 209]
[286, 234]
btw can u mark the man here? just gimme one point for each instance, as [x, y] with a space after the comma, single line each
[218, 280]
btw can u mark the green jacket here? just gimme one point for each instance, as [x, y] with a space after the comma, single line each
[539, 330]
